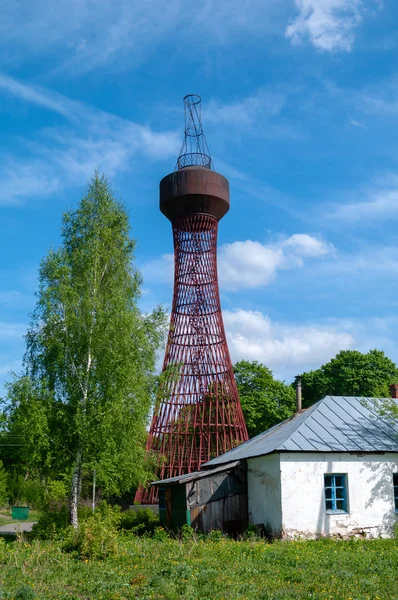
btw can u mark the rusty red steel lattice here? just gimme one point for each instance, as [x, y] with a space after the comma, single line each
[198, 415]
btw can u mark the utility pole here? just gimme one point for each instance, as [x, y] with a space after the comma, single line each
[94, 490]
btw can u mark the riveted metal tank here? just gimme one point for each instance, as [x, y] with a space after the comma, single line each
[194, 190]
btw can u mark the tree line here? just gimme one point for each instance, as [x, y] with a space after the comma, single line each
[267, 401]
[82, 401]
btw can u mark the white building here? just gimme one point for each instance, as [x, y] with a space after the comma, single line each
[329, 470]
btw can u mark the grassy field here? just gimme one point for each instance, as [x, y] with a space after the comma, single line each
[5, 517]
[146, 568]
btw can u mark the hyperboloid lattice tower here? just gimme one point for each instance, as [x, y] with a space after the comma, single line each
[198, 413]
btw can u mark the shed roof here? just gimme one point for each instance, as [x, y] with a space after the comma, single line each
[334, 424]
[196, 474]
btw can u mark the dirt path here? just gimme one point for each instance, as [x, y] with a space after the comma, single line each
[13, 528]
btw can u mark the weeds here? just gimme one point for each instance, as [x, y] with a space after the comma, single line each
[139, 521]
[145, 568]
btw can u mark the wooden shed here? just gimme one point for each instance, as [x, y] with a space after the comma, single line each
[209, 499]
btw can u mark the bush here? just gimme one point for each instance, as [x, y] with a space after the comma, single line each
[139, 521]
[51, 524]
[3, 485]
[97, 536]
[54, 521]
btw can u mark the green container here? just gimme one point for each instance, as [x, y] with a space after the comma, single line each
[20, 512]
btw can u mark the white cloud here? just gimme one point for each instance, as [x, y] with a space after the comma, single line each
[288, 348]
[306, 246]
[356, 123]
[159, 270]
[68, 154]
[260, 114]
[34, 95]
[83, 35]
[329, 24]
[283, 347]
[378, 202]
[19, 180]
[246, 111]
[250, 264]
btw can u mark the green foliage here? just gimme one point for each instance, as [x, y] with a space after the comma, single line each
[4, 492]
[25, 491]
[139, 521]
[25, 592]
[51, 523]
[16, 483]
[96, 537]
[351, 373]
[265, 400]
[84, 399]
[56, 491]
[33, 492]
[32, 413]
[54, 521]
[160, 534]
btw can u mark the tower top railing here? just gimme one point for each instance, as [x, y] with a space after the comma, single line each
[194, 150]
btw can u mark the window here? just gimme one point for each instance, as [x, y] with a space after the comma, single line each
[336, 493]
[395, 483]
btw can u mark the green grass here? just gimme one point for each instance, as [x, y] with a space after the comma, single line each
[168, 569]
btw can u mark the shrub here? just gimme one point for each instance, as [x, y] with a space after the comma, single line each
[160, 534]
[3, 485]
[139, 521]
[216, 536]
[54, 520]
[97, 536]
[187, 533]
[52, 523]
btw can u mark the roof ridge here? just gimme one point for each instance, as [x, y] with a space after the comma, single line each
[344, 426]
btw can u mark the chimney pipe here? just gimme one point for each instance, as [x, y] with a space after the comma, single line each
[298, 394]
[394, 390]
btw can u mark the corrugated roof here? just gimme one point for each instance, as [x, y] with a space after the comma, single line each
[334, 424]
[196, 474]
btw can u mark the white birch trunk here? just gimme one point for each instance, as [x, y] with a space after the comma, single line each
[75, 492]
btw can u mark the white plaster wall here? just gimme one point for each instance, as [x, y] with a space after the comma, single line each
[371, 509]
[264, 493]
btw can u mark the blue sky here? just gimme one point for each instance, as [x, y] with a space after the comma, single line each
[300, 110]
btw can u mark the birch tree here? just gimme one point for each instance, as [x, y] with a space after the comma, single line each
[91, 353]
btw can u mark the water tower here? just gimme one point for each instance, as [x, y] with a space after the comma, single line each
[198, 413]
